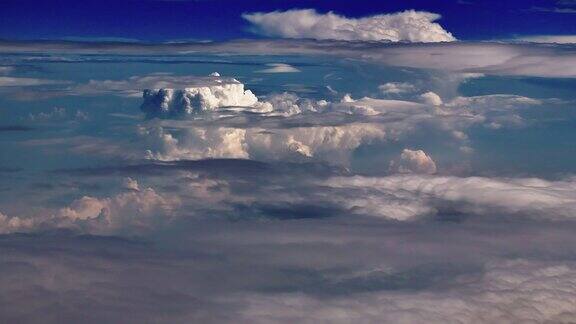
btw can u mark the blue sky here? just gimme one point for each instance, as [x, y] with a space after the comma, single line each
[221, 19]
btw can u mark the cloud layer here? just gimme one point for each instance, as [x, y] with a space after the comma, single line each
[290, 128]
[296, 271]
[401, 197]
[542, 60]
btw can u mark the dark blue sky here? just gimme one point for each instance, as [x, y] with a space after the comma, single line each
[221, 19]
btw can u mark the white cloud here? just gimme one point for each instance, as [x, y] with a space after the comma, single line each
[215, 92]
[264, 140]
[320, 130]
[498, 102]
[500, 59]
[133, 86]
[23, 82]
[14, 224]
[551, 39]
[288, 104]
[398, 197]
[55, 113]
[134, 211]
[130, 184]
[431, 98]
[196, 143]
[279, 68]
[314, 130]
[410, 25]
[58, 114]
[396, 88]
[413, 161]
[332, 144]
[484, 196]
[488, 58]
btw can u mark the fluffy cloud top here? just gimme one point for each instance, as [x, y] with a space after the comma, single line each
[218, 92]
[431, 98]
[134, 85]
[12, 224]
[290, 128]
[414, 162]
[332, 144]
[134, 211]
[410, 25]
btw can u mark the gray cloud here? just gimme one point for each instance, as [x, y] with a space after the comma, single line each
[479, 57]
[297, 270]
[507, 292]
[523, 197]
[199, 195]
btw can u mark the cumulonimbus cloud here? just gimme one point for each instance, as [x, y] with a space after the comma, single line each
[409, 25]
[174, 102]
[333, 130]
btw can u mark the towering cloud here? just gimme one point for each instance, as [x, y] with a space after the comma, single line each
[414, 162]
[332, 131]
[215, 92]
[431, 98]
[410, 26]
